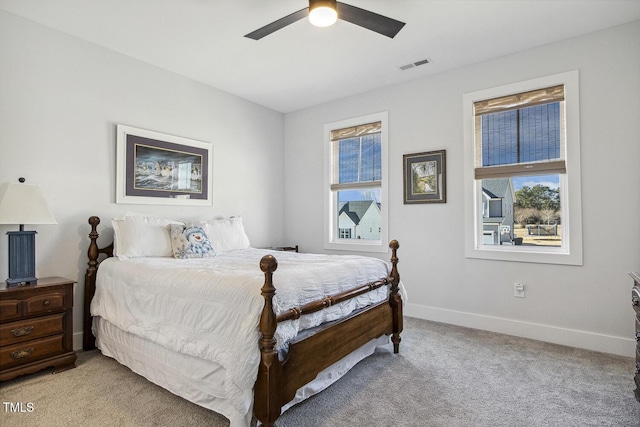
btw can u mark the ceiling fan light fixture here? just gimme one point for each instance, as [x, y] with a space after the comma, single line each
[322, 13]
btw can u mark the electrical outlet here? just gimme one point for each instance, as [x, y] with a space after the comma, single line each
[518, 290]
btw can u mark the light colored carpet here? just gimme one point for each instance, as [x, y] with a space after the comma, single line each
[444, 376]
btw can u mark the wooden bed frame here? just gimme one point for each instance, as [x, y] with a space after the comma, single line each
[278, 380]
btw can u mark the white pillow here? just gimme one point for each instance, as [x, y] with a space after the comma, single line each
[138, 235]
[226, 234]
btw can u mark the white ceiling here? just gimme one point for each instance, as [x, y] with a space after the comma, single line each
[301, 65]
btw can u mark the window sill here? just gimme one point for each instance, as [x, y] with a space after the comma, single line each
[531, 254]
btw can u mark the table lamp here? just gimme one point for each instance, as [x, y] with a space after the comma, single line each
[23, 204]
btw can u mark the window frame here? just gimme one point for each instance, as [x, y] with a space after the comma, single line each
[570, 253]
[331, 237]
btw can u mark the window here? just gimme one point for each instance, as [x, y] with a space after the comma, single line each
[345, 233]
[522, 172]
[355, 182]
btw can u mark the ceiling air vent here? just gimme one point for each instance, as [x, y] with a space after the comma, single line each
[415, 64]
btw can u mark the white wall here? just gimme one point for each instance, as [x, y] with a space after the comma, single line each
[60, 99]
[586, 306]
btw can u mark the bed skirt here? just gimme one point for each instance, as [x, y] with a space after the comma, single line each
[202, 381]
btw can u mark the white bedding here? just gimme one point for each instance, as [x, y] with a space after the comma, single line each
[209, 308]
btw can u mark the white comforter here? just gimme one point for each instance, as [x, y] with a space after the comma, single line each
[210, 308]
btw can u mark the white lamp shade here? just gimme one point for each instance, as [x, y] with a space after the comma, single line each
[24, 204]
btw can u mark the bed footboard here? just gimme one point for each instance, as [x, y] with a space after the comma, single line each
[277, 380]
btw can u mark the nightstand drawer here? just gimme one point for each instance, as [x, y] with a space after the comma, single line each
[30, 351]
[25, 330]
[9, 309]
[46, 303]
[635, 299]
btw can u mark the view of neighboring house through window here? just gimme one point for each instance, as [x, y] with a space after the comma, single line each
[520, 171]
[356, 187]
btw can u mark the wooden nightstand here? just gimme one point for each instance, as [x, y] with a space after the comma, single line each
[36, 327]
[284, 248]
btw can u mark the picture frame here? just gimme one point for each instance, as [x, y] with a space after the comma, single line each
[425, 177]
[156, 168]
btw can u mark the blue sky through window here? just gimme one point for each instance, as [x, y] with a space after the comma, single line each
[359, 195]
[551, 181]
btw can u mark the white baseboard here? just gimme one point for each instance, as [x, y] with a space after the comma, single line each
[569, 337]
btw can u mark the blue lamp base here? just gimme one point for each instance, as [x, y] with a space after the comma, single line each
[22, 258]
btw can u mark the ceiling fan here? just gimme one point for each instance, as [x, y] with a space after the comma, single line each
[323, 13]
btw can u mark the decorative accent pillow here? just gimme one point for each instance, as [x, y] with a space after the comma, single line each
[138, 235]
[190, 242]
[226, 234]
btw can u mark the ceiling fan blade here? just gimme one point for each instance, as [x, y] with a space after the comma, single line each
[279, 24]
[372, 21]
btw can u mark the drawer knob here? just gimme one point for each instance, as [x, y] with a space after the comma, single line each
[637, 368]
[22, 353]
[46, 303]
[20, 332]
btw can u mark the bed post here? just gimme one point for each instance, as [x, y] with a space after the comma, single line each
[394, 298]
[268, 387]
[89, 341]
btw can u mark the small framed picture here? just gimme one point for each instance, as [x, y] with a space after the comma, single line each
[425, 177]
[155, 168]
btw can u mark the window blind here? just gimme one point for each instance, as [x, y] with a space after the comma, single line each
[520, 134]
[354, 131]
[356, 156]
[518, 100]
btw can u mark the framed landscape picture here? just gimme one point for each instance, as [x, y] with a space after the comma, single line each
[425, 177]
[155, 168]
